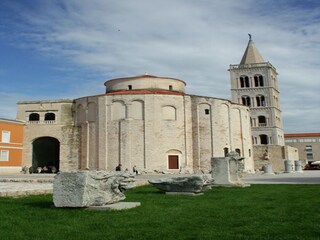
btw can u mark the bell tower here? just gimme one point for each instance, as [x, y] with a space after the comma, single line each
[254, 84]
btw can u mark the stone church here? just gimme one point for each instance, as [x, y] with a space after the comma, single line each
[152, 123]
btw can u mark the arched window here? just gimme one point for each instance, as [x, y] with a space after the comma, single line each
[263, 139]
[118, 110]
[81, 114]
[261, 101]
[246, 101]
[92, 111]
[137, 109]
[238, 151]
[244, 82]
[226, 151]
[169, 113]
[34, 117]
[262, 121]
[258, 81]
[49, 117]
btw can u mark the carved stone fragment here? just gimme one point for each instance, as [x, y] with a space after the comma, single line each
[90, 188]
[187, 184]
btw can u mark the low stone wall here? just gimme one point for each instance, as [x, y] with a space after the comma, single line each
[274, 155]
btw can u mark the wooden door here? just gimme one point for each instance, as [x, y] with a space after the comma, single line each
[173, 161]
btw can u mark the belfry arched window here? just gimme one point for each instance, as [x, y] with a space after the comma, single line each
[258, 81]
[262, 121]
[261, 101]
[34, 117]
[244, 82]
[264, 139]
[246, 100]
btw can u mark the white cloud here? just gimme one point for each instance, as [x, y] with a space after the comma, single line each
[191, 40]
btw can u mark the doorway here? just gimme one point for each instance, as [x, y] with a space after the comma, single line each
[173, 161]
[46, 152]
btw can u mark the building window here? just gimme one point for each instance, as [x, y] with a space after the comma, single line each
[5, 138]
[4, 155]
[309, 156]
[226, 151]
[258, 81]
[244, 82]
[34, 117]
[207, 111]
[246, 101]
[238, 151]
[170, 88]
[249, 152]
[261, 101]
[169, 113]
[264, 139]
[308, 148]
[262, 121]
[49, 117]
[130, 87]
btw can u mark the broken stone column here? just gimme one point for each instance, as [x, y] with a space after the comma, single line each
[187, 184]
[298, 166]
[267, 169]
[288, 166]
[227, 171]
[90, 188]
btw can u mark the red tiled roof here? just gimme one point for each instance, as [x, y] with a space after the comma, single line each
[289, 135]
[145, 91]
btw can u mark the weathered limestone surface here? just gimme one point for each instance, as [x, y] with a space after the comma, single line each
[298, 166]
[227, 171]
[90, 188]
[193, 184]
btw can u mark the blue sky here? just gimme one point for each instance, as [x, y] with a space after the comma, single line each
[67, 49]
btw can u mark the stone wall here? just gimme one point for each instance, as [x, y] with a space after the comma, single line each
[274, 155]
[61, 128]
[144, 129]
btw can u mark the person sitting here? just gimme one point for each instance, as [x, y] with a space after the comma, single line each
[45, 169]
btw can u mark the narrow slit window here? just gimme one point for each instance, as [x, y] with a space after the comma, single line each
[130, 87]
[207, 111]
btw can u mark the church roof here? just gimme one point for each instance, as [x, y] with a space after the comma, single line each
[145, 91]
[251, 55]
[146, 75]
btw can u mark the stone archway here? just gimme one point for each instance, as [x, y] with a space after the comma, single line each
[46, 152]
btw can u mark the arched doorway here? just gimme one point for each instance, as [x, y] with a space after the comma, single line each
[46, 152]
[174, 158]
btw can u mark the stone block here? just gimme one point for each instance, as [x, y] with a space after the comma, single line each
[90, 188]
[227, 171]
[186, 184]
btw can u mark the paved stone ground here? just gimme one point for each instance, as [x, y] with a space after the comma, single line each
[306, 177]
[35, 184]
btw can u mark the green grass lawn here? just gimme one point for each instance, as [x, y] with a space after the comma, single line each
[256, 212]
